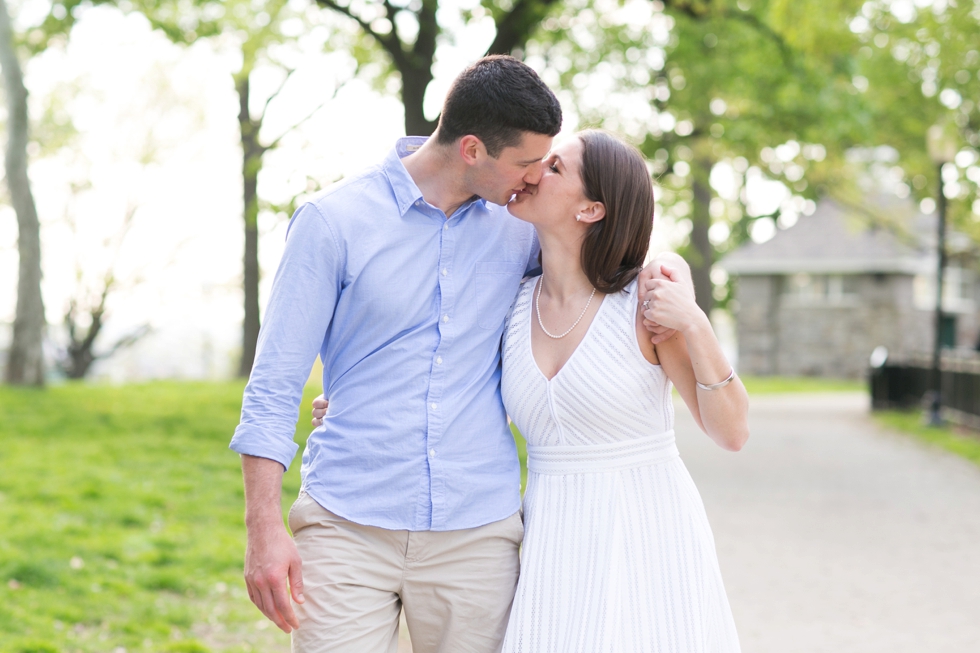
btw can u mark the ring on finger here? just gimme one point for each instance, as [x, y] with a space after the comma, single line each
[646, 304]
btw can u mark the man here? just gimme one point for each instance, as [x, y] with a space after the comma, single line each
[400, 279]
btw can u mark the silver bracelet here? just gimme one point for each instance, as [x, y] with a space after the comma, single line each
[715, 386]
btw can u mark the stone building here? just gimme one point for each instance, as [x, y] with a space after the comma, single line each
[820, 296]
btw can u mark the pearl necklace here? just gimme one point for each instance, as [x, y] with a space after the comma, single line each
[537, 309]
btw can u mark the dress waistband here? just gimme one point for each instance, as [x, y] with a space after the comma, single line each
[594, 458]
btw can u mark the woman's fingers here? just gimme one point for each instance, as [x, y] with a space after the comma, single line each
[667, 304]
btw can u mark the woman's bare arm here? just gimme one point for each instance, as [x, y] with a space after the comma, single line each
[692, 354]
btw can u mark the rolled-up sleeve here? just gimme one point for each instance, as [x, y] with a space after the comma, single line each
[304, 295]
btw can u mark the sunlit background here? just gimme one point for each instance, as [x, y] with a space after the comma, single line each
[816, 162]
[136, 155]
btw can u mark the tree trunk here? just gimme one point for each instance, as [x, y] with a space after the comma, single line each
[416, 70]
[414, 83]
[25, 363]
[252, 153]
[414, 63]
[701, 256]
[79, 356]
[515, 27]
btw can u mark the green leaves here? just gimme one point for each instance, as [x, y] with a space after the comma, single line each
[700, 83]
[923, 68]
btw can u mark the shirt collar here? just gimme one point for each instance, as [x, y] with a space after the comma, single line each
[406, 191]
[404, 187]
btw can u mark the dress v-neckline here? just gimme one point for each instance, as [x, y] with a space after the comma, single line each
[530, 335]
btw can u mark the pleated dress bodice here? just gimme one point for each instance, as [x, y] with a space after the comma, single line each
[586, 402]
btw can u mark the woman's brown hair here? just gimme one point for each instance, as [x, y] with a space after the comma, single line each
[615, 174]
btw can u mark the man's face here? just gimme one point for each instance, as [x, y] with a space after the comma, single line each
[559, 193]
[498, 179]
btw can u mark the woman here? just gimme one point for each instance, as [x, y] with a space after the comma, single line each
[618, 555]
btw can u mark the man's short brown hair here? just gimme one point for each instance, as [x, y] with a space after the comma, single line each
[498, 99]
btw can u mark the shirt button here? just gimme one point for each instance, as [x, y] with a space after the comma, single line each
[445, 227]
[445, 318]
[445, 272]
[432, 453]
[438, 360]
[433, 406]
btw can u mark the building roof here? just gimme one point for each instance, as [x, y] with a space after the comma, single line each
[892, 236]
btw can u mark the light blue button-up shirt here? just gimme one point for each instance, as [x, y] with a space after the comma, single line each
[406, 309]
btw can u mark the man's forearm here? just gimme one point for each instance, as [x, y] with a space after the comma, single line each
[273, 568]
[263, 491]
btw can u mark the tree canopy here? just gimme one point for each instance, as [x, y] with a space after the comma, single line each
[748, 110]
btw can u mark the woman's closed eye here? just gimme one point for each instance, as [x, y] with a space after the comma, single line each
[553, 166]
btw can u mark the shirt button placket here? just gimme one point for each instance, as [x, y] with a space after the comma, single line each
[437, 378]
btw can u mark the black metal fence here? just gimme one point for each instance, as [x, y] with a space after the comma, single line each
[906, 384]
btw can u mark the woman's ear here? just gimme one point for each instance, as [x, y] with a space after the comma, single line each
[592, 212]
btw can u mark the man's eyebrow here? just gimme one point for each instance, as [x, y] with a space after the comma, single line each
[528, 162]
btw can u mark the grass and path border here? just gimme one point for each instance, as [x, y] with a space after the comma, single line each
[953, 438]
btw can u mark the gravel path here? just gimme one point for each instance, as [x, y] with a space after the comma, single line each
[836, 535]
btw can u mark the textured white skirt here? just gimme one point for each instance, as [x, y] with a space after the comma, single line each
[618, 556]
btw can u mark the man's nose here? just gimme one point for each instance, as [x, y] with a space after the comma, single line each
[533, 175]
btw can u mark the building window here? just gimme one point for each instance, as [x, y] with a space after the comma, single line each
[804, 288]
[958, 285]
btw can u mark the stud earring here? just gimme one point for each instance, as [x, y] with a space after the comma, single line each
[578, 218]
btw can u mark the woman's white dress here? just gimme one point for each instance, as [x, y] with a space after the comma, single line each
[618, 556]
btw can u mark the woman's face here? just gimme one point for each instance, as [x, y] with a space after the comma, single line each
[559, 195]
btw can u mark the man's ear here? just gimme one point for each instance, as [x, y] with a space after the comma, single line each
[471, 149]
[593, 212]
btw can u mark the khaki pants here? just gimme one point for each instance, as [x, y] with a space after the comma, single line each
[456, 586]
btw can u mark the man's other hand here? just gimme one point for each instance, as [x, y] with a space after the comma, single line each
[271, 559]
[319, 410]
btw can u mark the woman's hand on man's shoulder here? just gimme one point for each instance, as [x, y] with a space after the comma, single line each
[665, 266]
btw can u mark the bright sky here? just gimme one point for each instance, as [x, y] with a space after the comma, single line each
[134, 96]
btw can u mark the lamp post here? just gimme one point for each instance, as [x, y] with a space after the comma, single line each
[942, 150]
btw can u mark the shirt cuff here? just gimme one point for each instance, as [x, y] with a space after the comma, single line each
[253, 441]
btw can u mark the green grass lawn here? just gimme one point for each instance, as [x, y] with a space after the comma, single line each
[121, 518]
[763, 385]
[952, 438]
[961, 441]
[121, 521]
